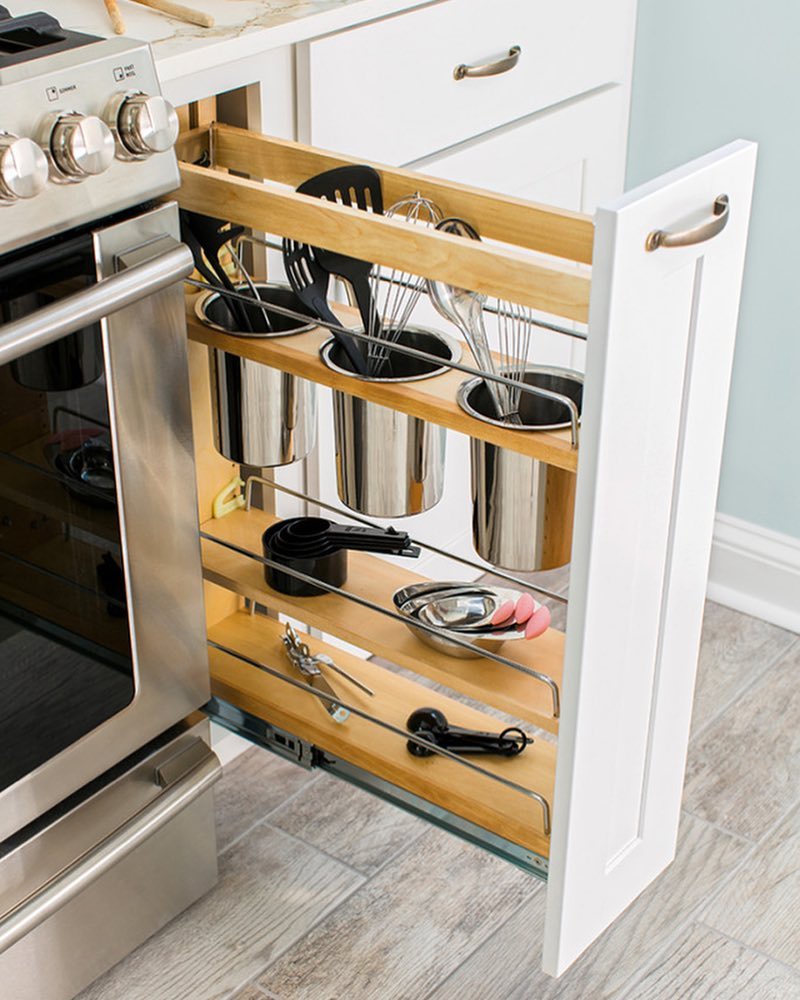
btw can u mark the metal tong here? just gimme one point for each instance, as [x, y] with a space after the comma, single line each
[431, 725]
[308, 665]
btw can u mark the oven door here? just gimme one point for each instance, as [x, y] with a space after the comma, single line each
[101, 610]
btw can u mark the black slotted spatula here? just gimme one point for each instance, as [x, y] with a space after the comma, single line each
[309, 281]
[357, 186]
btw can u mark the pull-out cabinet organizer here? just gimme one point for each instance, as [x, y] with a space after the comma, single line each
[617, 689]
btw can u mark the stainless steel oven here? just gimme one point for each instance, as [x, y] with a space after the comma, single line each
[104, 784]
[101, 603]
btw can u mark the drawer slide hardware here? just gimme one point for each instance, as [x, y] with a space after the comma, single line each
[262, 733]
[292, 748]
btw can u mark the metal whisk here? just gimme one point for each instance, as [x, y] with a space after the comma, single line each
[514, 325]
[396, 293]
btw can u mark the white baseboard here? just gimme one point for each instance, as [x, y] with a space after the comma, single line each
[756, 571]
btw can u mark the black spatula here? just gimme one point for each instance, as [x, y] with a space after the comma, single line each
[359, 187]
[212, 235]
[309, 280]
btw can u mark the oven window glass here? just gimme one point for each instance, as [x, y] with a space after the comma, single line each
[65, 650]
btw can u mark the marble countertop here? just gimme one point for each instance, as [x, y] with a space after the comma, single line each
[243, 29]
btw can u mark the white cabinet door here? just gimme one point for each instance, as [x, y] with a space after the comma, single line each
[662, 327]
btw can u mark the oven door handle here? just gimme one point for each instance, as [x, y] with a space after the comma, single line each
[34, 910]
[76, 311]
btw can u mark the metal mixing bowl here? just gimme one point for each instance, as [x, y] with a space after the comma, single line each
[457, 610]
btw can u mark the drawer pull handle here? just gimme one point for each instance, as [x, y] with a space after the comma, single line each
[688, 237]
[491, 68]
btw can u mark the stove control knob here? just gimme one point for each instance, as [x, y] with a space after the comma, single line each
[81, 145]
[23, 168]
[146, 124]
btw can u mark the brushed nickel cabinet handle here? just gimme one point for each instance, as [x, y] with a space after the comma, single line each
[705, 231]
[491, 68]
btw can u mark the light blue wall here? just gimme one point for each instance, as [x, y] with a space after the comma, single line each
[706, 72]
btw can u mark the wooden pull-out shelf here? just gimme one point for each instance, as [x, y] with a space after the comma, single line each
[518, 694]
[493, 806]
[508, 270]
[540, 260]
[433, 399]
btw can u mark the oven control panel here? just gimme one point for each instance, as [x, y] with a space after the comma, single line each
[84, 133]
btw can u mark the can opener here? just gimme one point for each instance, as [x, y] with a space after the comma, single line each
[308, 665]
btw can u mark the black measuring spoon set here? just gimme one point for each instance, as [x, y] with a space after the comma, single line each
[431, 725]
[318, 548]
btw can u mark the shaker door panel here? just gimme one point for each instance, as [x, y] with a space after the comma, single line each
[662, 328]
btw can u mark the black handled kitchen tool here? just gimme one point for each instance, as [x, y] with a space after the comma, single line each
[309, 281]
[191, 241]
[318, 547]
[357, 186]
[212, 235]
[431, 725]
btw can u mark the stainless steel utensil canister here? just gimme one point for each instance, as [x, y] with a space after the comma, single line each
[522, 508]
[390, 464]
[262, 417]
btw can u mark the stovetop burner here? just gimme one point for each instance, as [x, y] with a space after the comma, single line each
[33, 36]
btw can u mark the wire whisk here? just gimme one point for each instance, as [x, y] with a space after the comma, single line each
[514, 326]
[396, 293]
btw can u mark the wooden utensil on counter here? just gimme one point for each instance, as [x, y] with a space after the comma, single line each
[178, 11]
[115, 17]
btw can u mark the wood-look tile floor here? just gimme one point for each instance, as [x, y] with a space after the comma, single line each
[327, 893]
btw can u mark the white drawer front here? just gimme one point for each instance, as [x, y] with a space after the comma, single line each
[386, 90]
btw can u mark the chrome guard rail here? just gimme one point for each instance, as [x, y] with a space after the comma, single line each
[411, 352]
[412, 737]
[372, 606]
[499, 573]
[543, 324]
